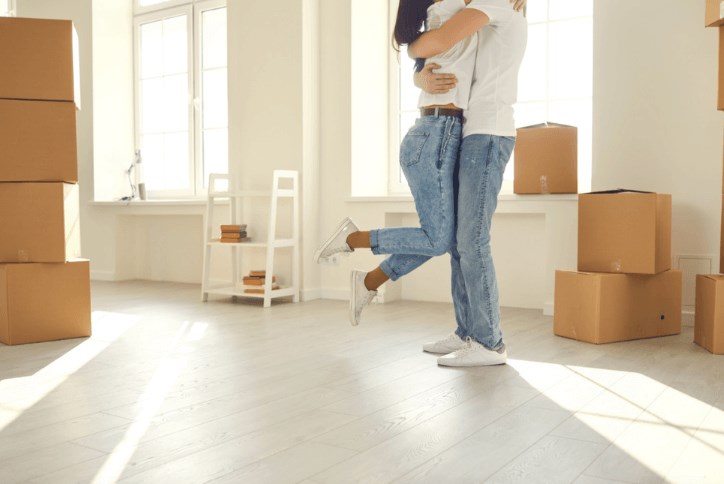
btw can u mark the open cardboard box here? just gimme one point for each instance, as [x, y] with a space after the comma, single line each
[546, 159]
[624, 231]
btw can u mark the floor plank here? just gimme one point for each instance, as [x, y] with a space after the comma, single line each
[173, 389]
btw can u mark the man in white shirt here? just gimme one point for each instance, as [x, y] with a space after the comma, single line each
[488, 141]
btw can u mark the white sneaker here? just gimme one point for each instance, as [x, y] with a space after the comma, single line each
[337, 243]
[360, 296]
[474, 354]
[444, 346]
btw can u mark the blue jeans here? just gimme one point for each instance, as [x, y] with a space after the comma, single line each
[428, 156]
[474, 286]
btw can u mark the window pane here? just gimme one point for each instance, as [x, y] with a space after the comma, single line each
[176, 161]
[216, 152]
[176, 103]
[215, 99]
[151, 49]
[4, 7]
[214, 38]
[571, 63]
[533, 71]
[561, 9]
[175, 47]
[152, 106]
[152, 153]
[537, 11]
[409, 94]
[527, 114]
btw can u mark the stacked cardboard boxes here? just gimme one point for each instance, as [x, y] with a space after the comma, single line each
[624, 288]
[546, 159]
[709, 309]
[44, 286]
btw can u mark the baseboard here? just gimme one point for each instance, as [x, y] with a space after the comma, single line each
[687, 317]
[106, 276]
[310, 294]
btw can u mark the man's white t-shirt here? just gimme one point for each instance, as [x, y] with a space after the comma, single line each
[458, 60]
[501, 45]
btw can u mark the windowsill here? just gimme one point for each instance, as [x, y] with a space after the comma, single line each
[155, 207]
[507, 197]
[149, 203]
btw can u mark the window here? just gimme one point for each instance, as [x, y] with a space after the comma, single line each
[555, 82]
[181, 94]
[7, 8]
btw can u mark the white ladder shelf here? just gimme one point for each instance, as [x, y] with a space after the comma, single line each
[236, 198]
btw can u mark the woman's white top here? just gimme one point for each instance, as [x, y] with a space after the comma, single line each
[500, 48]
[458, 60]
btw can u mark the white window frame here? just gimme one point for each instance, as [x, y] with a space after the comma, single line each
[12, 9]
[138, 9]
[394, 186]
[193, 10]
[198, 99]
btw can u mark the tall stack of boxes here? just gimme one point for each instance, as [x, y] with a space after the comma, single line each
[624, 288]
[44, 286]
[709, 312]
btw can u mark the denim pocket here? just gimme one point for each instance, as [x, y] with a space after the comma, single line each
[412, 146]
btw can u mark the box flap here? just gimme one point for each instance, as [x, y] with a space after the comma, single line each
[615, 191]
[547, 124]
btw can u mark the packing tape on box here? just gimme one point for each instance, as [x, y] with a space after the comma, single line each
[544, 184]
[616, 266]
[23, 256]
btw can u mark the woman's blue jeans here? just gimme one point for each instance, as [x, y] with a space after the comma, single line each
[428, 156]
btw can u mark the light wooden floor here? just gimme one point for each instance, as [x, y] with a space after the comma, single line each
[171, 390]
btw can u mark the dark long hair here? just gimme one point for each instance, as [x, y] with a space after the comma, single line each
[411, 15]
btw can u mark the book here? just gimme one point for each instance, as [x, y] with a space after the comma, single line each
[257, 281]
[233, 235]
[253, 290]
[234, 241]
[257, 273]
[233, 228]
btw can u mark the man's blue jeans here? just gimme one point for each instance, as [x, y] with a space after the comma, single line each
[474, 287]
[428, 156]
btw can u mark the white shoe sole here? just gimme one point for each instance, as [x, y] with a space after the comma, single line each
[318, 252]
[353, 298]
[467, 364]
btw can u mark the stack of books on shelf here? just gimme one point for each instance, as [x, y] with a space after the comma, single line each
[256, 281]
[233, 234]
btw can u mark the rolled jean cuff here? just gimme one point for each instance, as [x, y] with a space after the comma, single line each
[374, 241]
[385, 266]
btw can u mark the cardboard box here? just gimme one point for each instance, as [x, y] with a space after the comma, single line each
[38, 140]
[709, 313]
[604, 308]
[40, 222]
[39, 60]
[624, 231]
[721, 238]
[546, 159]
[714, 16]
[720, 91]
[44, 302]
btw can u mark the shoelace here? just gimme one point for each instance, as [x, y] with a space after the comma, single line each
[467, 346]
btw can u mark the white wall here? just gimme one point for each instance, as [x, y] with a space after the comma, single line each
[291, 106]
